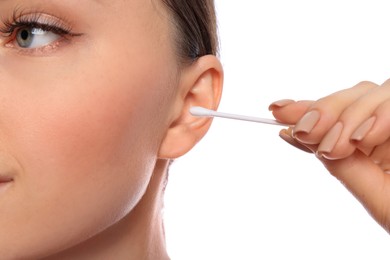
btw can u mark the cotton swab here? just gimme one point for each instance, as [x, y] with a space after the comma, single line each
[204, 112]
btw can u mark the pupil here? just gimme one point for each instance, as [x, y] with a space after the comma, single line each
[24, 35]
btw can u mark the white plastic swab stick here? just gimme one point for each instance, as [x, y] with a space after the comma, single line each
[200, 111]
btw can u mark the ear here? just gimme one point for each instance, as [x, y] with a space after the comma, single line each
[200, 84]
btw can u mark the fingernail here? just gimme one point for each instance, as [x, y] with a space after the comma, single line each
[307, 122]
[363, 129]
[330, 140]
[280, 103]
[287, 138]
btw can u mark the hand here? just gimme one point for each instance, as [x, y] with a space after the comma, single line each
[350, 133]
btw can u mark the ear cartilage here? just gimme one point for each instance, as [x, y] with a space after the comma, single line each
[204, 112]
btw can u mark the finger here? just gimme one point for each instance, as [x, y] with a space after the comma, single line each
[356, 120]
[366, 181]
[289, 111]
[381, 156]
[324, 113]
[286, 135]
[376, 129]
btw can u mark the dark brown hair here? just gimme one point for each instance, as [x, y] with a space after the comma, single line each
[196, 27]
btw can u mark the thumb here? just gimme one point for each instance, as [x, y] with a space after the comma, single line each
[367, 182]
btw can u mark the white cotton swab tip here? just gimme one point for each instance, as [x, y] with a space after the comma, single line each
[201, 111]
[204, 112]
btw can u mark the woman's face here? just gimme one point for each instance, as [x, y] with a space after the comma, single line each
[81, 115]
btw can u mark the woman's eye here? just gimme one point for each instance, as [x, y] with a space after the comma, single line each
[32, 37]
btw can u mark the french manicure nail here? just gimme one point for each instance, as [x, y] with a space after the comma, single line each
[363, 129]
[280, 104]
[284, 134]
[330, 140]
[307, 122]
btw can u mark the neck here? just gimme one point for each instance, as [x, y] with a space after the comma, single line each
[140, 235]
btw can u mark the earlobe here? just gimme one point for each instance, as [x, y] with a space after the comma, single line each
[200, 85]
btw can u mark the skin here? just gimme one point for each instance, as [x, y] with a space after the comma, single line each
[362, 164]
[88, 125]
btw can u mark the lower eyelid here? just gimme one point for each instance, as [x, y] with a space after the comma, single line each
[40, 51]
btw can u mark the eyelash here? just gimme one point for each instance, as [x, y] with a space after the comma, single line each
[20, 20]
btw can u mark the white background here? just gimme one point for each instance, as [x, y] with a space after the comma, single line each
[242, 193]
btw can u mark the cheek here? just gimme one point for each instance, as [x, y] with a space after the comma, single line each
[87, 147]
[94, 121]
